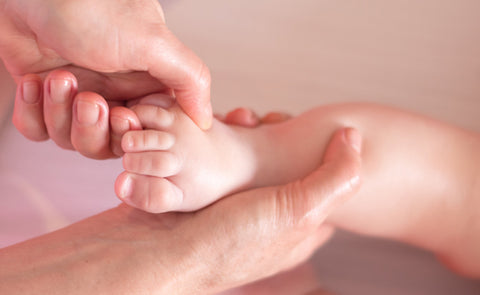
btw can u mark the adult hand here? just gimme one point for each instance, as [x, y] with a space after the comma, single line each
[95, 129]
[118, 49]
[239, 239]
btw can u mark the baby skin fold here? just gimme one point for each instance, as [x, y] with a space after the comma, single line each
[420, 176]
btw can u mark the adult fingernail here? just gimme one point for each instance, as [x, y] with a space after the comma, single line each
[31, 92]
[206, 118]
[88, 113]
[354, 139]
[60, 90]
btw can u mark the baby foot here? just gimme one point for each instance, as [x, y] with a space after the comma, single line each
[172, 165]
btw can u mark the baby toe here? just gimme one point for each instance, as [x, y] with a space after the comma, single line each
[159, 164]
[147, 140]
[147, 193]
[158, 99]
[153, 117]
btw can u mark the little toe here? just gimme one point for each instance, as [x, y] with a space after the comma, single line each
[153, 117]
[164, 101]
[159, 164]
[147, 140]
[147, 193]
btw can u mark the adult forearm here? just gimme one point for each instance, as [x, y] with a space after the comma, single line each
[105, 254]
[53, 265]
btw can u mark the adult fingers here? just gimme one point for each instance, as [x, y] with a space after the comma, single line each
[59, 89]
[28, 110]
[117, 86]
[310, 200]
[242, 117]
[43, 109]
[90, 132]
[176, 66]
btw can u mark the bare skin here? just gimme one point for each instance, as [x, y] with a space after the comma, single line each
[412, 187]
[128, 251]
[139, 55]
[409, 203]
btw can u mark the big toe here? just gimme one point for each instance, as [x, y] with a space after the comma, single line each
[148, 193]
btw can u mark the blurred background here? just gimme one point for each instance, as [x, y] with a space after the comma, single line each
[285, 56]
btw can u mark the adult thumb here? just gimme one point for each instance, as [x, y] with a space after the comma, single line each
[168, 60]
[310, 200]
